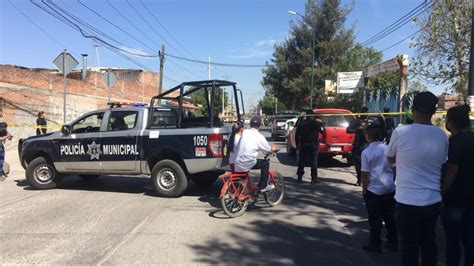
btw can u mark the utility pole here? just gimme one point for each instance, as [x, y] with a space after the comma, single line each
[209, 69]
[65, 86]
[162, 63]
[470, 89]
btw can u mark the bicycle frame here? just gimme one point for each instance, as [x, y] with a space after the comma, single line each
[248, 187]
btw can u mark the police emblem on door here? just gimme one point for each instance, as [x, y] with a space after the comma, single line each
[94, 150]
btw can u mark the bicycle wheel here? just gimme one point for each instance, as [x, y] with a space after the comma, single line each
[275, 196]
[230, 202]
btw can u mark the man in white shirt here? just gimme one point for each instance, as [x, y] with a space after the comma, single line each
[251, 142]
[419, 150]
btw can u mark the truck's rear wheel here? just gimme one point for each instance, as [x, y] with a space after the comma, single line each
[169, 179]
[42, 175]
[89, 177]
[205, 179]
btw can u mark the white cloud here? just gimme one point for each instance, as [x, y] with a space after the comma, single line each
[265, 43]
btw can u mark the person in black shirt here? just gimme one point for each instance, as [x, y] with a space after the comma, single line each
[41, 124]
[389, 125]
[307, 139]
[458, 188]
[357, 127]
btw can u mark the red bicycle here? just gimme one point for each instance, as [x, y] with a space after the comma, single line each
[238, 192]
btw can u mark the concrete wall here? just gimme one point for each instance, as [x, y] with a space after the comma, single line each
[24, 92]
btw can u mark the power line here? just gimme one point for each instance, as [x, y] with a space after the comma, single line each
[166, 30]
[114, 25]
[150, 26]
[404, 39]
[399, 25]
[171, 35]
[37, 26]
[394, 23]
[216, 64]
[133, 25]
[85, 34]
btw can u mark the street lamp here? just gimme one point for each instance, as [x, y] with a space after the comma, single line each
[313, 33]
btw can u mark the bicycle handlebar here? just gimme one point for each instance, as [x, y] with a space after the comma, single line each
[271, 153]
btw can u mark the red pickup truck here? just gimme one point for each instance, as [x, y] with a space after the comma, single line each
[335, 141]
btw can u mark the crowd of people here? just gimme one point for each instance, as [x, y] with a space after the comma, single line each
[418, 177]
[410, 176]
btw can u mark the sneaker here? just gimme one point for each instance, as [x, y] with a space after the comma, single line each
[315, 181]
[392, 246]
[3, 177]
[267, 188]
[299, 179]
[372, 248]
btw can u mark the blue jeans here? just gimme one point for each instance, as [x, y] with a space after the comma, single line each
[2, 159]
[416, 227]
[458, 226]
[308, 149]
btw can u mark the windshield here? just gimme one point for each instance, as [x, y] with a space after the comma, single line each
[334, 120]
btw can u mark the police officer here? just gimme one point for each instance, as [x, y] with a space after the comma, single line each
[357, 127]
[307, 139]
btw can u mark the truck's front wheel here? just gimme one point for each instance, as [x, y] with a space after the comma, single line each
[42, 175]
[169, 179]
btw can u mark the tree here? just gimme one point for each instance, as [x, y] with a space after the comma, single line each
[289, 73]
[358, 58]
[351, 102]
[199, 98]
[267, 104]
[442, 46]
[416, 85]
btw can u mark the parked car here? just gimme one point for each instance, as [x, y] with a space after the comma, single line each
[335, 141]
[279, 123]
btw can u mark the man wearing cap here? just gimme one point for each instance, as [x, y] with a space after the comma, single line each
[419, 151]
[251, 142]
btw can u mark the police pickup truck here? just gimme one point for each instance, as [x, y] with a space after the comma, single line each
[171, 140]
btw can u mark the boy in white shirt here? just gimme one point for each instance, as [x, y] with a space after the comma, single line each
[378, 189]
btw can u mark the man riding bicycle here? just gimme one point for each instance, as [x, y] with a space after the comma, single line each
[250, 143]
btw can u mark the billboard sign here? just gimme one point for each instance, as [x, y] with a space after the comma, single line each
[348, 82]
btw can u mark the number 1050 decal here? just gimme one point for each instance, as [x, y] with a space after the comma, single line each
[200, 140]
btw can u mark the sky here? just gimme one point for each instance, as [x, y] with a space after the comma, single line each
[227, 31]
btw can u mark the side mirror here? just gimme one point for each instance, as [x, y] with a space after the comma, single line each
[66, 130]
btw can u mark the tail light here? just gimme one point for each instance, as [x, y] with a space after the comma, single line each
[215, 144]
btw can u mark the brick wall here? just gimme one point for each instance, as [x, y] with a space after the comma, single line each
[24, 92]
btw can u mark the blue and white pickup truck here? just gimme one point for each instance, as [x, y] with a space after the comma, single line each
[161, 140]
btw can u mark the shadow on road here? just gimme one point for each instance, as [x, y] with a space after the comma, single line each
[273, 240]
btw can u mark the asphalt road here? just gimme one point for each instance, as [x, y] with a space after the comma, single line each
[118, 220]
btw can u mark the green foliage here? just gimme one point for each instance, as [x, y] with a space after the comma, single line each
[268, 103]
[288, 75]
[199, 97]
[442, 46]
[358, 58]
[416, 85]
[351, 102]
[384, 80]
